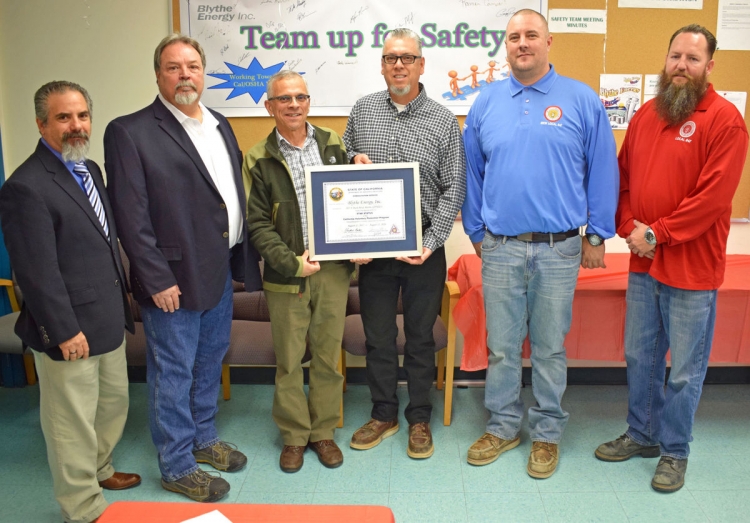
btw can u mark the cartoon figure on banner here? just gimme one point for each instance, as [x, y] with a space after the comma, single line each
[455, 91]
[491, 70]
[461, 92]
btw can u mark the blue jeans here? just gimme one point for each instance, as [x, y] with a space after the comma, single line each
[528, 288]
[185, 350]
[660, 317]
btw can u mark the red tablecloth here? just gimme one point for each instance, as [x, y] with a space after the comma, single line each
[598, 326]
[155, 512]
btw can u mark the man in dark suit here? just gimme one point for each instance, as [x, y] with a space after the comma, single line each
[62, 241]
[175, 180]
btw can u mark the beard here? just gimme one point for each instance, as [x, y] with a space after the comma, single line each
[188, 98]
[675, 103]
[77, 151]
[400, 91]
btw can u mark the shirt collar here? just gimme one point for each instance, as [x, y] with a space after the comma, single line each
[414, 104]
[310, 136]
[543, 85]
[707, 99]
[68, 165]
[208, 118]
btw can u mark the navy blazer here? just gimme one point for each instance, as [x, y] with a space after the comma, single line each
[173, 221]
[71, 276]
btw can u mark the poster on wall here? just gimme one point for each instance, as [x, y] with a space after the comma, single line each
[738, 98]
[591, 21]
[337, 48]
[650, 86]
[733, 25]
[621, 96]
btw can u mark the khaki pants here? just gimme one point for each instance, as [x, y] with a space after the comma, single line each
[317, 314]
[83, 408]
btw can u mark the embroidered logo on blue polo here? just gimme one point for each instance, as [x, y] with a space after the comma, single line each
[552, 115]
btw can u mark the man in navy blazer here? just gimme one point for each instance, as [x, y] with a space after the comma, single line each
[175, 181]
[62, 242]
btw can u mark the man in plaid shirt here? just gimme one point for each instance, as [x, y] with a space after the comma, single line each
[401, 124]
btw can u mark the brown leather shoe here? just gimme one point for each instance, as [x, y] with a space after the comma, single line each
[121, 481]
[291, 458]
[488, 448]
[420, 441]
[543, 459]
[328, 452]
[372, 433]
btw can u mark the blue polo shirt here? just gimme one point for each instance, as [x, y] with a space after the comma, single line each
[539, 158]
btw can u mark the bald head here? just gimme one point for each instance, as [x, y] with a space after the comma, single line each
[531, 12]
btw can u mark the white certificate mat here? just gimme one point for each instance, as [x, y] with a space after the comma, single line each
[364, 211]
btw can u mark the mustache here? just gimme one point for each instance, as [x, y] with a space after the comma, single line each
[77, 134]
[186, 83]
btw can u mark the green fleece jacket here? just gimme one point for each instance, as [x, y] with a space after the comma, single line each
[274, 225]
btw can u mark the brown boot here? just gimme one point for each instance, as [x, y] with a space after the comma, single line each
[543, 459]
[291, 458]
[420, 441]
[372, 433]
[328, 452]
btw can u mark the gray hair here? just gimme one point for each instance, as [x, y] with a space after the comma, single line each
[405, 32]
[281, 75]
[177, 38]
[41, 97]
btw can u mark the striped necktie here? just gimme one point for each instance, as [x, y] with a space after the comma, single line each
[81, 170]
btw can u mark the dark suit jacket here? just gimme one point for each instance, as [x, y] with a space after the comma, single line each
[70, 275]
[173, 222]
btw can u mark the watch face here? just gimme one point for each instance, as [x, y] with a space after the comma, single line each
[649, 237]
[594, 239]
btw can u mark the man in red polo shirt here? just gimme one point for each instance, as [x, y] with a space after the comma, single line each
[680, 165]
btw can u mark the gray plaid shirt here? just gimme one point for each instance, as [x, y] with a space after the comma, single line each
[424, 132]
[297, 159]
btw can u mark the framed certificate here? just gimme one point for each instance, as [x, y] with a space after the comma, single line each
[363, 211]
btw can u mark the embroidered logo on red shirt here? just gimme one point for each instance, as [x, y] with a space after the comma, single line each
[553, 113]
[687, 129]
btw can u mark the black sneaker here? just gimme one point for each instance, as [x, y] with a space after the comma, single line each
[199, 486]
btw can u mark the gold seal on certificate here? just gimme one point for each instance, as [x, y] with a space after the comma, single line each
[363, 211]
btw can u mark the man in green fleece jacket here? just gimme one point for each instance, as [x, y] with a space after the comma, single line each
[306, 299]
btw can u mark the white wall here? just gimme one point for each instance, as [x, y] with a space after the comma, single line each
[106, 46]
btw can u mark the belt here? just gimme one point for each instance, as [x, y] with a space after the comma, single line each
[545, 236]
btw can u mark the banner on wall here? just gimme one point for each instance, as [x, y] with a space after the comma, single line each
[337, 47]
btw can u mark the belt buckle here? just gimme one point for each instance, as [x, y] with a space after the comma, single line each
[525, 237]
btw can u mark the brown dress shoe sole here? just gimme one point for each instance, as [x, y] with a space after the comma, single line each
[420, 455]
[365, 446]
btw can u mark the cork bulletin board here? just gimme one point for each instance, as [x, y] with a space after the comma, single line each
[635, 43]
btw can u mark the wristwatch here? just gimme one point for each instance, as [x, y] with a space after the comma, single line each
[594, 239]
[649, 236]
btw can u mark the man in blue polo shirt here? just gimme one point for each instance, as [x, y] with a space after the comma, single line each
[541, 162]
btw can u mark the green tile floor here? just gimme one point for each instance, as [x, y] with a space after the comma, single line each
[443, 488]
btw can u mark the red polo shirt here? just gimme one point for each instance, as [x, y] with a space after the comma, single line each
[680, 180]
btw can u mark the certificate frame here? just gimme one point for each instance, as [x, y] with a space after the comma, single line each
[323, 248]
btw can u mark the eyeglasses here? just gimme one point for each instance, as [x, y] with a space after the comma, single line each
[286, 99]
[406, 59]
